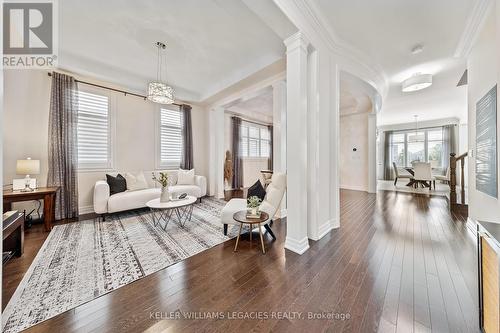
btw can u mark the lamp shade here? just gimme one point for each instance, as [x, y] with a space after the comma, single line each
[417, 82]
[28, 167]
[159, 92]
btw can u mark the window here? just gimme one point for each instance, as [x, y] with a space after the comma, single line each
[255, 140]
[425, 146]
[171, 141]
[93, 131]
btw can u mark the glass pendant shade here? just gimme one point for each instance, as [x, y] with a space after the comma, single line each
[159, 92]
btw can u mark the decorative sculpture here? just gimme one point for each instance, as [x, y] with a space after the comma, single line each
[228, 167]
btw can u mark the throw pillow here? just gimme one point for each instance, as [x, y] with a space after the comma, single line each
[256, 190]
[136, 182]
[185, 177]
[116, 184]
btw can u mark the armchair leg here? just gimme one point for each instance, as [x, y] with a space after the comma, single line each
[225, 228]
[268, 228]
[395, 181]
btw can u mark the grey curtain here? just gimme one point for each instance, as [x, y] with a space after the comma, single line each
[187, 135]
[449, 144]
[388, 169]
[237, 160]
[63, 145]
[270, 160]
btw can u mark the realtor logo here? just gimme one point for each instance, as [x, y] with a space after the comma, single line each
[29, 34]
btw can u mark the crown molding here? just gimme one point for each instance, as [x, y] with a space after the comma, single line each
[473, 27]
[311, 21]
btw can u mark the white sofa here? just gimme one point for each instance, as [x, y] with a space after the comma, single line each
[271, 203]
[105, 203]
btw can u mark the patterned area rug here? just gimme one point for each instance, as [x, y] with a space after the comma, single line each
[84, 260]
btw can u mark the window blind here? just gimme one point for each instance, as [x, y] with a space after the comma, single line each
[255, 140]
[171, 143]
[93, 131]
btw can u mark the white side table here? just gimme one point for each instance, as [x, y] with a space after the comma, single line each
[162, 211]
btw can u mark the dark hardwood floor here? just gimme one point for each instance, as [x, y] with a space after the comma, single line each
[399, 263]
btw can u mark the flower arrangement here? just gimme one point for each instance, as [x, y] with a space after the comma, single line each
[253, 202]
[162, 179]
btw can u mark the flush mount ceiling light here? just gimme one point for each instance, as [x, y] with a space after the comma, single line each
[158, 91]
[417, 82]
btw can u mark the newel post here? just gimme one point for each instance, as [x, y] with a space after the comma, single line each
[453, 179]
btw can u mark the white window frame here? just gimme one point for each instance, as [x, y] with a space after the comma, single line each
[109, 165]
[160, 165]
[246, 155]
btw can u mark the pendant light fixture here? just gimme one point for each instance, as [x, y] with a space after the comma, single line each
[158, 91]
[417, 82]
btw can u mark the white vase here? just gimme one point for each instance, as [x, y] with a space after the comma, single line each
[165, 195]
[254, 210]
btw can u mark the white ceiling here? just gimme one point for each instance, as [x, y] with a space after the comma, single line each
[259, 106]
[211, 44]
[386, 31]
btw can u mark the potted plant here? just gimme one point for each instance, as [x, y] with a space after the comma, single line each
[253, 203]
[162, 179]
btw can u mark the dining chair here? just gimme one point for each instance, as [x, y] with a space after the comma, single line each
[423, 174]
[445, 178]
[400, 173]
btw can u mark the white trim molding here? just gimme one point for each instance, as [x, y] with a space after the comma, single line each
[297, 246]
[473, 27]
[309, 19]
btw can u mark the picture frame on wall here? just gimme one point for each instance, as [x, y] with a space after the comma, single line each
[486, 144]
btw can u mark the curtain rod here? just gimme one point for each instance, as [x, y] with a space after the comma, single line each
[420, 128]
[113, 89]
[248, 120]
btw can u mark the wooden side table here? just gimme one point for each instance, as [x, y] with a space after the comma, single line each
[48, 194]
[241, 217]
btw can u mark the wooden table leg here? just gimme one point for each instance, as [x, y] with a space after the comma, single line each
[49, 211]
[238, 239]
[251, 232]
[261, 241]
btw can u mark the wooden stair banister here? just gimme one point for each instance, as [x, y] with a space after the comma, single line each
[453, 180]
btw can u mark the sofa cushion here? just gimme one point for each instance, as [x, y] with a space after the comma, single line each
[116, 184]
[256, 190]
[131, 199]
[136, 181]
[193, 190]
[185, 177]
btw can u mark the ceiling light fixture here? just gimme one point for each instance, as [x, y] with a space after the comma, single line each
[417, 82]
[158, 91]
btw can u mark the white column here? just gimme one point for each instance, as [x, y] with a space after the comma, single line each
[296, 77]
[322, 221]
[312, 146]
[372, 153]
[216, 168]
[279, 135]
[335, 145]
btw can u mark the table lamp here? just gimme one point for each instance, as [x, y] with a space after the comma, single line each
[27, 167]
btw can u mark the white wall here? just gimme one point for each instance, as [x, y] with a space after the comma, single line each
[354, 164]
[26, 108]
[483, 74]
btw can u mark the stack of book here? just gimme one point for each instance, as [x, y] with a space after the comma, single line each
[250, 215]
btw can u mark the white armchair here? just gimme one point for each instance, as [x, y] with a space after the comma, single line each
[270, 204]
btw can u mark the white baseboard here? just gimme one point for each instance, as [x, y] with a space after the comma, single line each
[354, 188]
[323, 229]
[297, 246]
[85, 210]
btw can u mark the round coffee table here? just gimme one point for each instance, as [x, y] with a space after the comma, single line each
[242, 218]
[162, 211]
